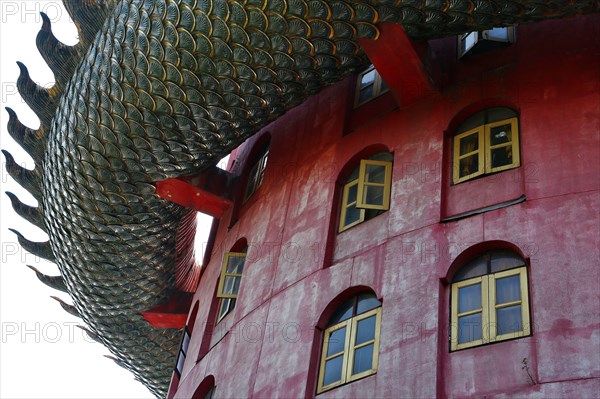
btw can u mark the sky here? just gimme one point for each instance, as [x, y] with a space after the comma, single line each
[42, 352]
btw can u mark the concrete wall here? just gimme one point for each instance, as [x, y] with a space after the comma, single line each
[297, 264]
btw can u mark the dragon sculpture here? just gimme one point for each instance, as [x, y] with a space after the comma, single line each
[159, 89]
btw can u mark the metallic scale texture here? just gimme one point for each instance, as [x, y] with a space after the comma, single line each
[160, 89]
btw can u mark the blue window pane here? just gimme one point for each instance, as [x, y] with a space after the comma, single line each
[186, 342]
[333, 370]
[231, 285]
[352, 192]
[336, 342]
[469, 298]
[365, 330]
[344, 312]
[352, 215]
[363, 359]
[509, 320]
[366, 302]
[235, 264]
[365, 94]
[469, 328]
[368, 79]
[498, 34]
[468, 41]
[180, 361]
[508, 289]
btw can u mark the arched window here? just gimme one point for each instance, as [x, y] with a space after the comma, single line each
[489, 300]
[231, 278]
[350, 342]
[366, 190]
[206, 389]
[487, 142]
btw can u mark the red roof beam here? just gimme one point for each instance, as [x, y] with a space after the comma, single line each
[404, 65]
[208, 192]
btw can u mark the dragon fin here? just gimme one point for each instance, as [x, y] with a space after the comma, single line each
[70, 309]
[28, 179]
[41, 249]
[30, 213]
[31, 140]
[42, 101]
[56, 282]
[61, 59]
[90, 334]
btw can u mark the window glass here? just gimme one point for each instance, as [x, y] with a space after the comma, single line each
[344, 312]
[367, 302]
[365, 330]
[180, 361]
[468, 41]
[469, 328]
[509, 320]
[469, 298]
[363, 359]
[333, 370]
[508, 289]
[500, 34]
[476, 267]
[504, 260]
[336, 342]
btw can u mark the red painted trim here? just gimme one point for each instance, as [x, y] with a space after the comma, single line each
[407, 72]
[185, 194]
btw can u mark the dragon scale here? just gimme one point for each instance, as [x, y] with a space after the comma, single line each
[161, 89]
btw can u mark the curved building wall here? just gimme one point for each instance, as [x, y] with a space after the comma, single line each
[297, 264]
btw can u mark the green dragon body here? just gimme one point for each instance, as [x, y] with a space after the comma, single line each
[161, 89]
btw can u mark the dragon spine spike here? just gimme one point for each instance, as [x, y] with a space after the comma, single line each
[28, 179]
[70, 309]
[30, 213]
[61, 59]
[90, 334]
[29, 139]
[41, 101]
[41, 249]
[55, 282]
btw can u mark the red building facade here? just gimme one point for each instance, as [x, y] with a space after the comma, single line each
[311, 230]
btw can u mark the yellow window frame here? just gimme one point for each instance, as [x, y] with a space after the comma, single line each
[363, 185]
[225, 274]
[485, 150]
[349, 349]
[514, 143]
[524, 302]
[480, 131]
[483, 282]
[346, 205]
[488, 308]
